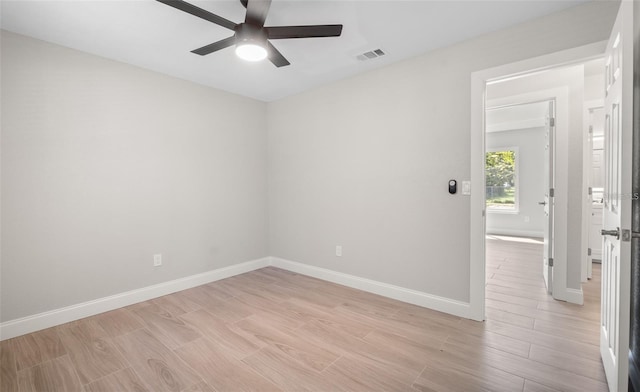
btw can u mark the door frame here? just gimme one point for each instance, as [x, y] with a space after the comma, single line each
[479, 82]
[560, 98]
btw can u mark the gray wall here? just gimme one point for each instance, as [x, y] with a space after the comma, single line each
[105, 164]
[593, 87]
[364, 162]
[530, 143]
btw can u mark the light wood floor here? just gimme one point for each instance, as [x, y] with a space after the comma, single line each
[274, 330]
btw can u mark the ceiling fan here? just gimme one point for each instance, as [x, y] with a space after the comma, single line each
[252, 37]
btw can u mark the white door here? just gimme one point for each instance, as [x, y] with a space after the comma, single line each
[595, 238]
[616, 249]
[548, 203]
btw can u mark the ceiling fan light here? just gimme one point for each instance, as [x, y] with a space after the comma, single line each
[251, 52]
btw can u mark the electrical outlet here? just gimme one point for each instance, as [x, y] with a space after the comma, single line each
[157, 260]
[339, 250]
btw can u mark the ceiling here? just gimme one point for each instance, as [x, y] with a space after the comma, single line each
[154, 36]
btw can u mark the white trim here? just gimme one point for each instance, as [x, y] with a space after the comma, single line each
[515, 233]
[25, 325]
[477, 223]
[446, 305]
[479, 80]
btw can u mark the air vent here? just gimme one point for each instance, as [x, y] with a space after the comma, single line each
[370, 55]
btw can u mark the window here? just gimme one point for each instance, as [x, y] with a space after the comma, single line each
[501, 180]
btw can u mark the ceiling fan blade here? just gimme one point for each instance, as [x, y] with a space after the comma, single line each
[257, 12]
[282, 32]
[200, 13]
[215, 46]
[276, 57]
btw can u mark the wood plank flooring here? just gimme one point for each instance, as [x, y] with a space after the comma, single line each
[273, 330]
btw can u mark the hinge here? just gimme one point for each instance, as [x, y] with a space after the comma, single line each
[588, 251]
[589, 191]
[590, 128]
[552, 121]
[552, 191]
[550, 261]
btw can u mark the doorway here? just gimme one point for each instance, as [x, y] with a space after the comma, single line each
[548, 105]
[551, 105]
[516, 297]
[519, 172]
[567, 209]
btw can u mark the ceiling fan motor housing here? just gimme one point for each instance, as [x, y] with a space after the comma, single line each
[247, 33]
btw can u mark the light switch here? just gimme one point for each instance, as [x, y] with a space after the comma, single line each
[466, 188]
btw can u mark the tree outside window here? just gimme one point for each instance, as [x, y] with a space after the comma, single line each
[500, 171]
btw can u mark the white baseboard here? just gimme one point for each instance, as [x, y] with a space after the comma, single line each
[515, 233]
[25, 325]
[446, 305]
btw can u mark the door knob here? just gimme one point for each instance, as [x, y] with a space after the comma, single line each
[613, 233]
[542, 203]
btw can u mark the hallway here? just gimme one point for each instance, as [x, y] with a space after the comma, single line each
[556, 333]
